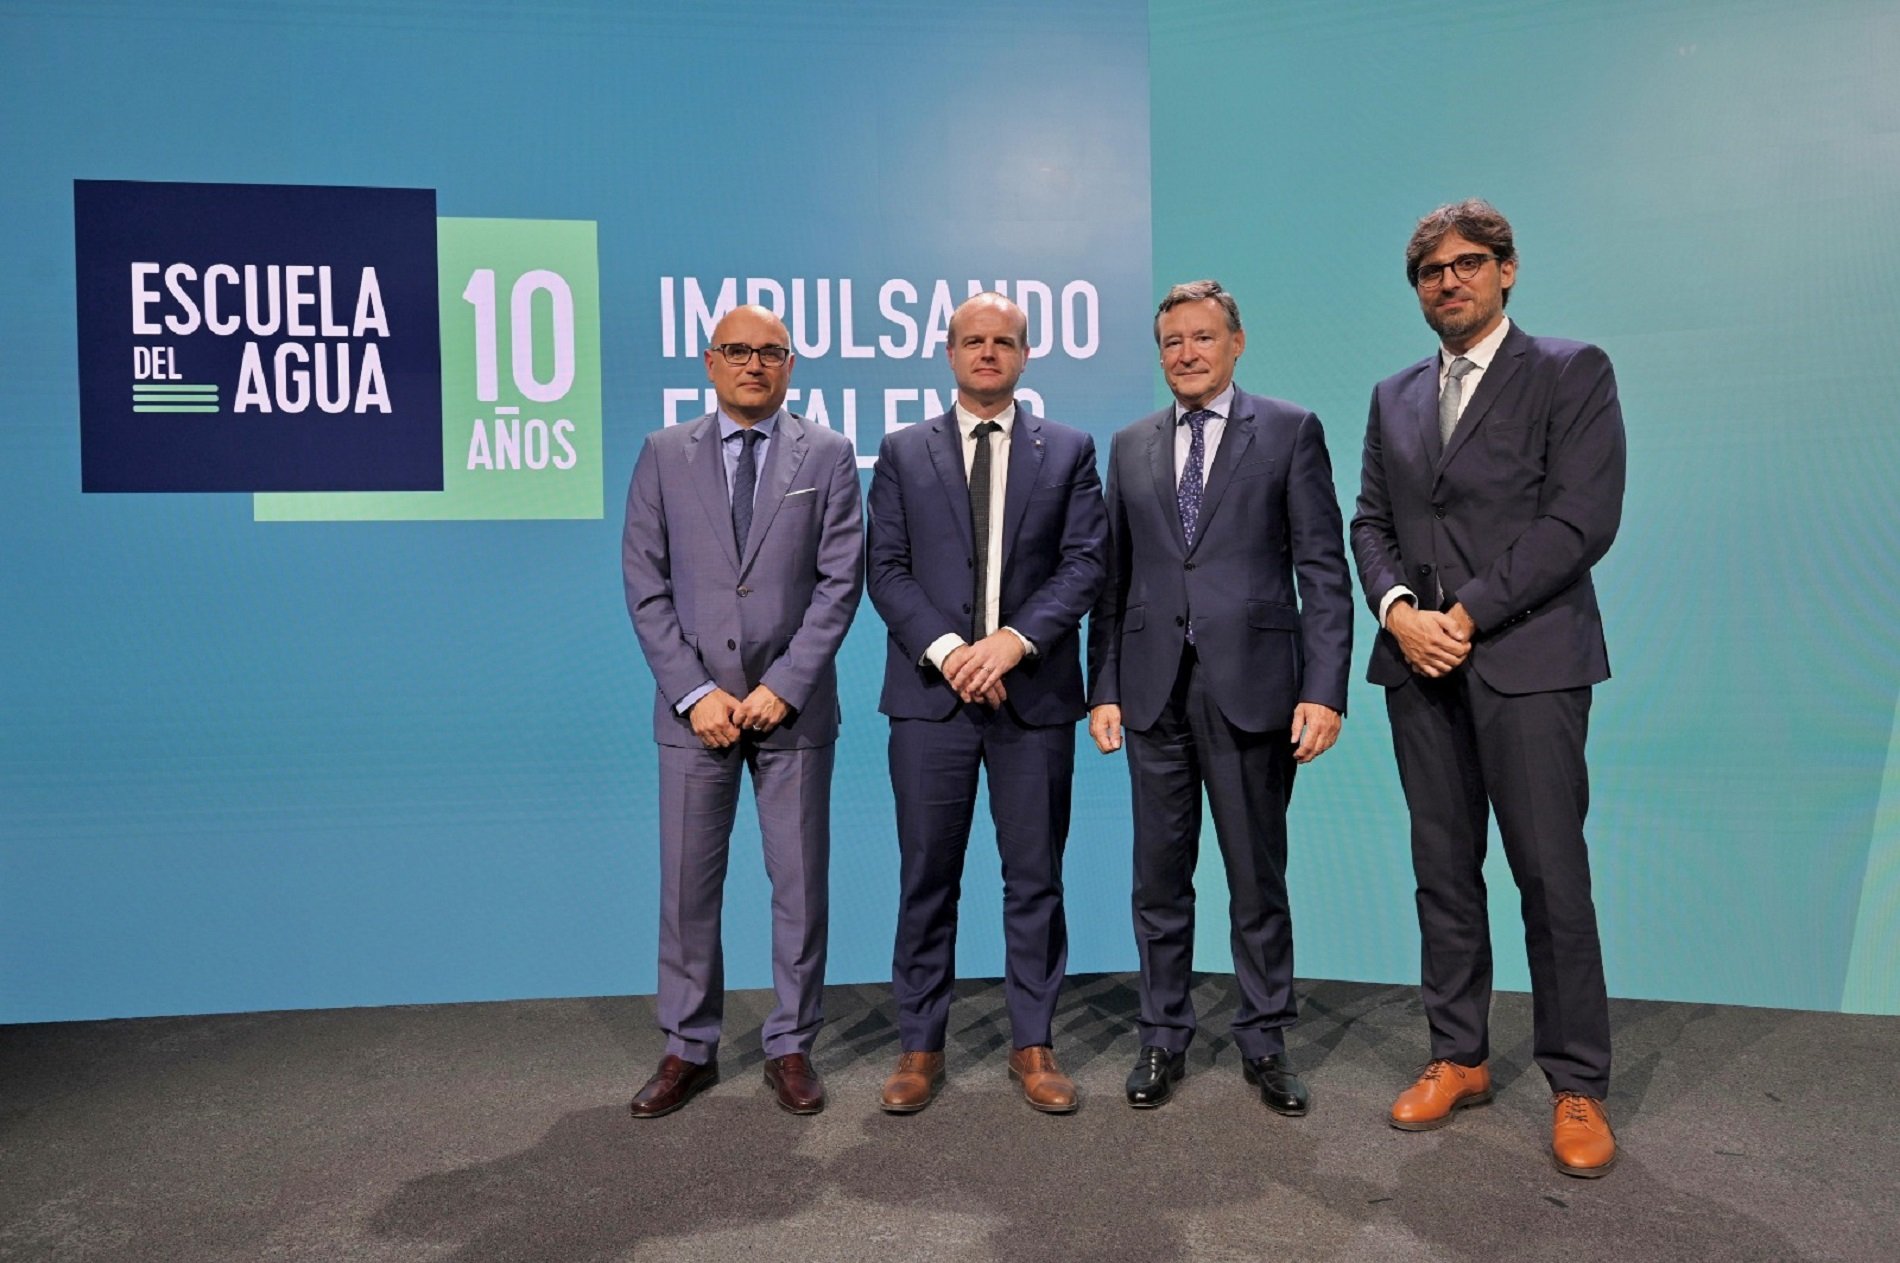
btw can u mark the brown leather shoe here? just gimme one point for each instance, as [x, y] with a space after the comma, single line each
[914, 1083]
[1045, 1087]
[1442, 1088]
[1580, 1137]
[676, 1082]
[799, 1089]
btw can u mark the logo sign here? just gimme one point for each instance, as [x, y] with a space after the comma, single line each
[341, 353]
[237, 337]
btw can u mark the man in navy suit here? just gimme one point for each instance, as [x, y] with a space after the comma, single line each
[1493, 482]
[985, 553]
[743, 565]
[1219, 652]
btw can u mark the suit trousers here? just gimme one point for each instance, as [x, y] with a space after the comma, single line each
[934, 766]
[1248, 778]
[1463, 750]
[699, 796]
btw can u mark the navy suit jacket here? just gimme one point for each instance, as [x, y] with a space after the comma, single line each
[774, 616]
[1508, 519]
[921, 554]
[1268, 514]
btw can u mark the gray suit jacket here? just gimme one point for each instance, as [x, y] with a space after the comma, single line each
[775, 616]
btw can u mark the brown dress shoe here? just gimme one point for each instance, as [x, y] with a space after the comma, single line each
[1442, 1088]
[914, 1083]
[1045, 1087]
[799, 1089]
[676, 1082]
[1580, 1137]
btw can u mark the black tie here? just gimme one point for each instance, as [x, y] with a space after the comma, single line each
[745, 479]
[980, 524]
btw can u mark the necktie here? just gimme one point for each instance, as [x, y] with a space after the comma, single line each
[980, 525]
[745, 480]
[1449, 397]
[1188, 494]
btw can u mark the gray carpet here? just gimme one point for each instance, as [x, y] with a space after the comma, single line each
[499, 1131]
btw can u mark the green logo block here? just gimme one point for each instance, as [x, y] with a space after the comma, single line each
[521, 410]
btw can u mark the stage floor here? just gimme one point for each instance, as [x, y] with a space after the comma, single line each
[500, 1132]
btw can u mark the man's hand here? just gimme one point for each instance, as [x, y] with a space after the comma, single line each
[1432, 643]
[761, 711]
[1105, 725]
[713, 719]
[976, 671]
[1315, 728]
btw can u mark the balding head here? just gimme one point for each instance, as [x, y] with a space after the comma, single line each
[749, 389]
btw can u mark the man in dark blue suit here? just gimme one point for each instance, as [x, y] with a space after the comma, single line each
[1493, 482]
[983, 671]
[1219, 651]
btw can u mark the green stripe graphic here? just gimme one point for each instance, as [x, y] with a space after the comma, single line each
[174, 388]
[174, 407]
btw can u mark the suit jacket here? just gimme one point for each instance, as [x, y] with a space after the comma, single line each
[1507, 519]
[775, 616]
[1268, 514]
[920, 531]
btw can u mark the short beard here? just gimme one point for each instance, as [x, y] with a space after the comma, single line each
[1452, 328]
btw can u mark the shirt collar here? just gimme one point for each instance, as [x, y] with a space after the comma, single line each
[1481, 354]
[728, 427]
[967, 421]
[1221, 405]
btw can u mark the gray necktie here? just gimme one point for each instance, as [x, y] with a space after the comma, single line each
[980, 525]
[745, 480]
[1449, 397]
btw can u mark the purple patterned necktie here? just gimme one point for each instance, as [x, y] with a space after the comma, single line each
[1188, 494]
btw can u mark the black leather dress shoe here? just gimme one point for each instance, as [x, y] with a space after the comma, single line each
[1152, 1080]
[1279, 1087]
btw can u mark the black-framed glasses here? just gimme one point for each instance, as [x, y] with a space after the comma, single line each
[1464, 267]
[739, 354]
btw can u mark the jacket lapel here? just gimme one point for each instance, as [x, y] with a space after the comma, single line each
[783, 457]
[1025, 467]
[1504, 366]
[708, 471]
[1161, 466]
[1234, 442]
[946, 456]
[1422, 398]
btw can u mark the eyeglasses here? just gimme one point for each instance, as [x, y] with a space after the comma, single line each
[739, 354]
[1464, 267]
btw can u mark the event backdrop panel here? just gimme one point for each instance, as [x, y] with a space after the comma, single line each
[1708, 191]
[349, 743]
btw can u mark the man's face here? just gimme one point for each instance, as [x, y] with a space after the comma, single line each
[751, 391]
[1198, 351]
[987, 352]
[1462, 312]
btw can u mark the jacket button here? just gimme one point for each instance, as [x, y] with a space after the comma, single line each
[745, 591]
[1179, 621]
[969, 563]
[1438, 510]
[1190, 565]
[732, 644]
[1425, 568]
[966, 607]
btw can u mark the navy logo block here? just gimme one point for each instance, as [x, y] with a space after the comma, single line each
[248, 337]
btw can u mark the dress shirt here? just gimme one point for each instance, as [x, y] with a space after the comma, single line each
[1480, 356]
[729, 452]
[967, 421]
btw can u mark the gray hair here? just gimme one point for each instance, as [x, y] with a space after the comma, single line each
[1194, 292]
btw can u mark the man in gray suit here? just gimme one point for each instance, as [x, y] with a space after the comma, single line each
[743, 565]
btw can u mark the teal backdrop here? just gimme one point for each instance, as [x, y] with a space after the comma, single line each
[251, 764]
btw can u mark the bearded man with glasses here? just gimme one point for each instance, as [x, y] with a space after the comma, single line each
[1492, 483]
[742, 559]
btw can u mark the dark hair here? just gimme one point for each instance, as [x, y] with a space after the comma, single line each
[1194, 292]
[1474, 219]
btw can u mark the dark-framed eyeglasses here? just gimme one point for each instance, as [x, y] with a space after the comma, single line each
[739, 354]
[1464, 267]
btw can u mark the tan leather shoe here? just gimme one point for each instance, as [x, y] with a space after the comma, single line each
[1580, 1137]
[1045, 1087]
[1442, 1088]
[914, 1083]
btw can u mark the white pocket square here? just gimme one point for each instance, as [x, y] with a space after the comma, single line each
[802, 491]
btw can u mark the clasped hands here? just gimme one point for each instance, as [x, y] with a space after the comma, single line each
[719, 718]
[1434, 644]
[976, 671]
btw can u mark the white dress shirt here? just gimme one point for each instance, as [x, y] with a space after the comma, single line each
[1212, 429]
